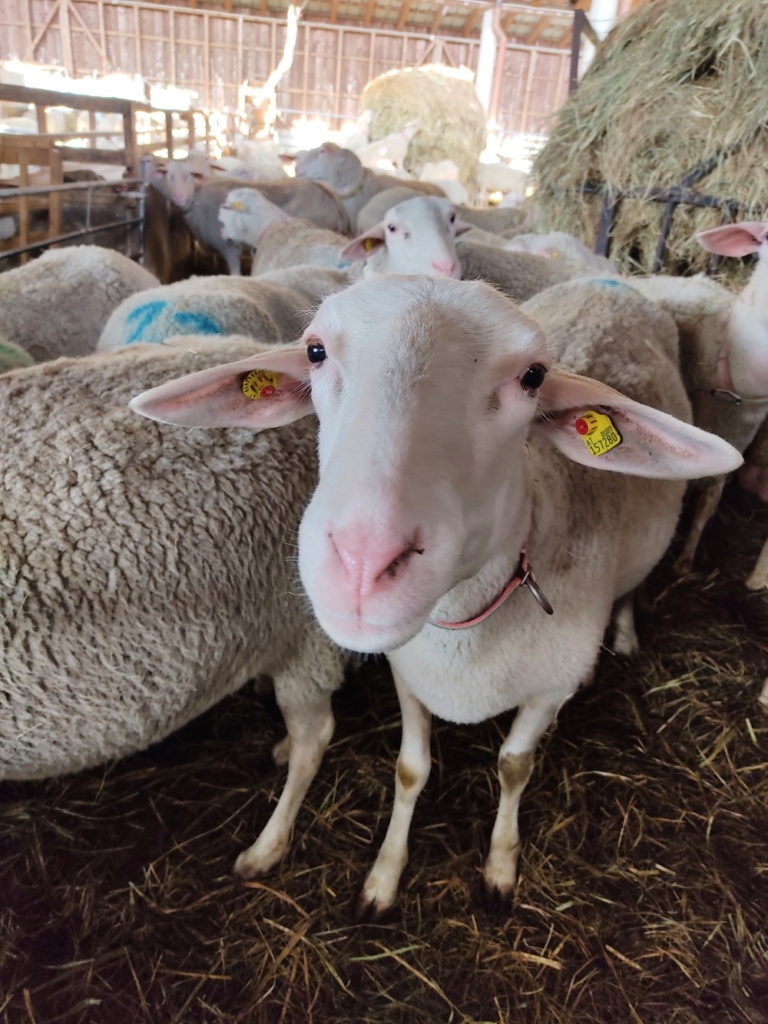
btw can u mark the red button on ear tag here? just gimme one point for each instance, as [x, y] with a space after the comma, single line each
[582, 426]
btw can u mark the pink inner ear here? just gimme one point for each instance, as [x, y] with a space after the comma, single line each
[734, 239]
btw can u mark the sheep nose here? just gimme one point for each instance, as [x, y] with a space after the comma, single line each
[370, 560]
[446, 268]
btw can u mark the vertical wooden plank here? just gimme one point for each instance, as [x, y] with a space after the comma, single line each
[55, 198]
[42, 119]
[174, 80]
[105, 62]
[239, 77]
[137, 40]
[305, 77]
[132, 155]
[337, 80]
[523, 124]
[169, 134]
[28, 20]
[207, 60]
[23, 204]
[66, 37]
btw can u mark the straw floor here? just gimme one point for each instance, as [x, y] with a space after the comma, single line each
[642, 895]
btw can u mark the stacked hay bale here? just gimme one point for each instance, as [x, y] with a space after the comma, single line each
[676, 92]
[451, 117]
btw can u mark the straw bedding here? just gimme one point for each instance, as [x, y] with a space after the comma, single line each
[674, 86]
[642, 896]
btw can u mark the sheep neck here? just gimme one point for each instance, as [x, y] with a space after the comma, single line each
[523, 577]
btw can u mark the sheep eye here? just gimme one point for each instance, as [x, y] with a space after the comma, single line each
[533, 377]
[391, 227]
[453, 218]
[316, 352]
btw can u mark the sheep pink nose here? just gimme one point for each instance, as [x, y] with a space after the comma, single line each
[370, 561]
[446, 268]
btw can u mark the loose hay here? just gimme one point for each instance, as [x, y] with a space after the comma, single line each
[451, 117]
[642, 897]
[674, 87]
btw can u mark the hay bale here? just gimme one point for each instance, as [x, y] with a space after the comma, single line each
[675, 87]
[452, 119]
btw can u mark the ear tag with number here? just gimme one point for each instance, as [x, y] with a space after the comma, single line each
[260, 384]
[368, 244]
[597, 432]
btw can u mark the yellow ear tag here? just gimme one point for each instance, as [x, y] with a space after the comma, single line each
[597, 432]
[368, 244]
[260, 384]
[238, 205]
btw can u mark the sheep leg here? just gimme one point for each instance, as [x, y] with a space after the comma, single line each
[624, 634]
[706, 503]
[515, 767]
[231, 256]
[413, 765]
[310, 728]
[759, 577]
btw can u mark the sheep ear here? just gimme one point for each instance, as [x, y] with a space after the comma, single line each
[460, 226]
[365, 245]
[734, 239]
[597, 426]
[267, 389]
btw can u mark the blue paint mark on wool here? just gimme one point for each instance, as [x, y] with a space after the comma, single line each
[197, 323]
[609, 281]
[142, 318]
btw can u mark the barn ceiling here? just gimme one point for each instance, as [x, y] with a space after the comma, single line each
[529, 22]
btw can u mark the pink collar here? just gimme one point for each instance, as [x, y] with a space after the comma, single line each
[725, 390]
[523, 578]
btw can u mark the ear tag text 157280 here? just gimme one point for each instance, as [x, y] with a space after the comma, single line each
[260, 384]
[597, 432]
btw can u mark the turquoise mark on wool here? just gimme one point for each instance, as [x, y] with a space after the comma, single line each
[142, 319]
[609, 281]
[197, 323]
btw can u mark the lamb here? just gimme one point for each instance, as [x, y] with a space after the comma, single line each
[274, 308]
[341, 170]
[518, 275]
[149, 572]
[200, 201]
[58, 304]
[724, 352]
[415, 547]
[392, 147]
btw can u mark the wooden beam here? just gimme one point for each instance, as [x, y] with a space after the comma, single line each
[437, 19]
[405, 10]
[334, 11]
[263, 8]
[471, 21]
[369, 13]
[506, 22]
[540, 27]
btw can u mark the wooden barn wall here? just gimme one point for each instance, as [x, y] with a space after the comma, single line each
[212, 53]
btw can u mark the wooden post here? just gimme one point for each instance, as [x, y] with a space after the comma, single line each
[169, 134]
[55, 199]
[132, 154]
[66, 37]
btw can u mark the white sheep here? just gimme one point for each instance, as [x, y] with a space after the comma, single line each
[278, 240]
[273, 308]
[149, 571]
[392, 148]
[519, 275]
[58, 304]
[723, 351]
[559, 245]
[341, 170]
[455, 459]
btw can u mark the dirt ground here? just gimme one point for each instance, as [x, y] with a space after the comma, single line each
[642, 895]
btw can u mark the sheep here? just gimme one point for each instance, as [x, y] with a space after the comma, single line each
[58, 304]
[415, 237]
[13, 356]
[274, 308]
[498, 176]
[518, 275]
[723, 352]
[414, 547]
[200, 201]
[493, 220]
[149, 572]
[341, 170]
[279, 240]
[560, 245]
[392, 147]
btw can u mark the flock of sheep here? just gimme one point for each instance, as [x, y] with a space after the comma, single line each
[467, 381]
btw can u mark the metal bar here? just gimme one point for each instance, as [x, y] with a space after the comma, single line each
[605, 225]
[666, 226]
[47, 243]
[73, 186]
